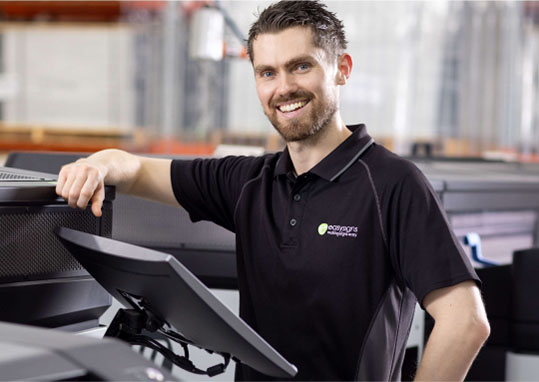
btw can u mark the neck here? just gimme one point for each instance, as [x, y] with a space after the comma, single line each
[309, 152]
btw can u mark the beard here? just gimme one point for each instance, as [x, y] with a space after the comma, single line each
[307, 125]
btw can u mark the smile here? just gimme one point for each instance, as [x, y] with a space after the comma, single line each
[292, 106]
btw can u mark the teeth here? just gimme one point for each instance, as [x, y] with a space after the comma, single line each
[292, 106]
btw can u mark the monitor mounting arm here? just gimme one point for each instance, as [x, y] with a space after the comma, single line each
[130, 325]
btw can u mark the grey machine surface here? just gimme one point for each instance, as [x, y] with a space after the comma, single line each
[158, 286]
[472, 186]
[497, 200]
[36, 354]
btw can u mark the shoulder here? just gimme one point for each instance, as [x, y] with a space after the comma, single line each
[250, 166]
[245, 167]
[387, 169]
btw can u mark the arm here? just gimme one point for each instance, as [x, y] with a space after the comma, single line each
[84, 180]
[460, 329]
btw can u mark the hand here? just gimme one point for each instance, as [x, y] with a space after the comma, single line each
[81, 182]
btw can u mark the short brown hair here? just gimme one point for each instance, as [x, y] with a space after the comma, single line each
[327, 29]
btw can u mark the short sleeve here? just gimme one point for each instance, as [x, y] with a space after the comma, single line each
[422, 245]
[209, 188]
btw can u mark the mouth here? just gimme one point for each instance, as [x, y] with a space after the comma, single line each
[291, 109]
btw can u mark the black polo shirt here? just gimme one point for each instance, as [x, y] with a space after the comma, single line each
[330, 263]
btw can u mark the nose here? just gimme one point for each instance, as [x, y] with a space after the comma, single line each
[287, 84]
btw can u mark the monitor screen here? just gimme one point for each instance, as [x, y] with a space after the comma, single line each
[160, 282]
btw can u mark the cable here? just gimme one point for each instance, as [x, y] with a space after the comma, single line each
[175, 336]
[181, 361]
[128, 324]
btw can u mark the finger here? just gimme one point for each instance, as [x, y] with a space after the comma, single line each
[62, 176]
[97, 201]
[70, 177]
[87, 190]
[75, 190]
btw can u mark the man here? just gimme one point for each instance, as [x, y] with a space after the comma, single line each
[336, 237]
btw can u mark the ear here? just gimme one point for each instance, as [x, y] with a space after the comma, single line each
[344, 68]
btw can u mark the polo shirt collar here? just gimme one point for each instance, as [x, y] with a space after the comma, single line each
[336, 162]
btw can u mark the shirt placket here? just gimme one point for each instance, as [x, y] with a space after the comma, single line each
[296, 211]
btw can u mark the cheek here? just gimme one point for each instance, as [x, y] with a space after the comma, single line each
[320, 85]
[328, 88]
[264, 93]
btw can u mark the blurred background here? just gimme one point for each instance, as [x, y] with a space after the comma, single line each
[443, 78]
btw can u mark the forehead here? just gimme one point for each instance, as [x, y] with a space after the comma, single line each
[274, 48]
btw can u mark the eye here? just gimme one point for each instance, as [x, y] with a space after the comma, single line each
[266, 74]
[303, 67]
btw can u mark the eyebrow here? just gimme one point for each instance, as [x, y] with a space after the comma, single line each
[294, 61]
[262, 68]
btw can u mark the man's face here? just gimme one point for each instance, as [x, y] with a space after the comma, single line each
[296, 82]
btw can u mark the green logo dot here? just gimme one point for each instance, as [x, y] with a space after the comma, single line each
[322, 229]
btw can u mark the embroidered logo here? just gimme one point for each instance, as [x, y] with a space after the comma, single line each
[337, 230]
[322, 229]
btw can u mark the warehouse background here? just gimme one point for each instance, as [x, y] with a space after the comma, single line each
[455, 78]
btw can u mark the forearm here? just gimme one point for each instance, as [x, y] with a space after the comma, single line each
[84, 181]
[451, 349]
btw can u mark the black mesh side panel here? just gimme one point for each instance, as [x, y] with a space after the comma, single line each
[106, 220]
[29, 248]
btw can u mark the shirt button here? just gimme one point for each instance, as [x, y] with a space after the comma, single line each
[293, 222]
[297, 197]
